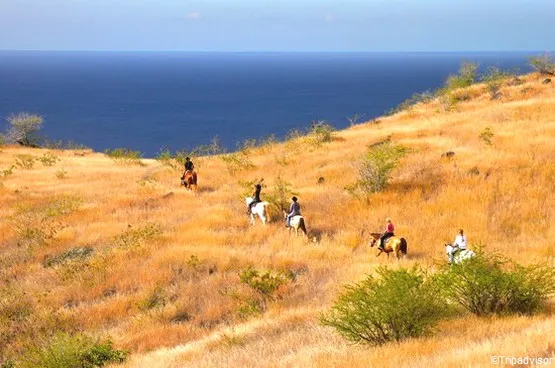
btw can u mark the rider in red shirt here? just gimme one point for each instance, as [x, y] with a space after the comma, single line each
[389, 232]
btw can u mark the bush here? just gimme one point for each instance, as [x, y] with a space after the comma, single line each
[494, 79]
[124, 156]
[134, 237]
[23, 129]
[25, 162]
[543, 64]
[48, 159]
[264, 283]
[465, 77]
[399, 304]
[280, 195]
[321, 132]
[488, 284]
[487, 135]
[77, 351]
[375, 168]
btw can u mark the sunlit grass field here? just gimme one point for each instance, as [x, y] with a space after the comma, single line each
[159, 267]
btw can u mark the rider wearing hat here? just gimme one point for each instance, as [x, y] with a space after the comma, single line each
[189, 166]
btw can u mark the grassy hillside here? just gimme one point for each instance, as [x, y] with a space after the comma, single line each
[119, 249]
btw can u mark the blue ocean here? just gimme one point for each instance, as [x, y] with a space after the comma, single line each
[147, 101]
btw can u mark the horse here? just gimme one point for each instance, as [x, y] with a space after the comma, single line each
[189, 180]
[393, 244]
[296, 222]
[258, 209]
[460, 256]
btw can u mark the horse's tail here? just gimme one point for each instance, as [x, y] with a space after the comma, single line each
[302, 226]
[403, 246]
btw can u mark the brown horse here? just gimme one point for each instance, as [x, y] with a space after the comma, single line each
[189, 180]
[393, 244]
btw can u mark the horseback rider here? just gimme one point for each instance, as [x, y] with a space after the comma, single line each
[189, 166]
[389, 232]
[459, 244]
[294, 210]
[255, 197]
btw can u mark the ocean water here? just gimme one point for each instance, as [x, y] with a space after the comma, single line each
[148, 100]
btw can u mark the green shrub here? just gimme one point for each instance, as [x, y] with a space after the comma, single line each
[280, 195]
[25, 162]
[264, 283]
[543, 64]
[67, 351]
[487, 135]
[61, 174]
[396, 305]
[464, 78]
[375, 168]
[134, 237]
[321, 132]
[7, 172]
[48, 159]
[124, 156]
[488, 284]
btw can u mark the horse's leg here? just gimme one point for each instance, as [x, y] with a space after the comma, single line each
[380, 252]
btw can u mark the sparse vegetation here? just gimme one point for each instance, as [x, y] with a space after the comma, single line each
[124, 156]
[494, 79]
[25, 162]
[146, 289]
[543, 64]
[48, 159]
[321, 132]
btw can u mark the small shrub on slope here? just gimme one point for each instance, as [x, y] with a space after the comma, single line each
[398, 304]
[374, 170]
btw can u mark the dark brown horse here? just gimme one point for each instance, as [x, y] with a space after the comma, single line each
[393, 245]
[189, 180]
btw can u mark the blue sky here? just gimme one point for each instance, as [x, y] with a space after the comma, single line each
[263, 25]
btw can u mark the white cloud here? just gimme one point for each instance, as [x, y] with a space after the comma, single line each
[193, 16]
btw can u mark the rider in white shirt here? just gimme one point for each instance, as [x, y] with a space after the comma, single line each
[459, 244]
[460, 240]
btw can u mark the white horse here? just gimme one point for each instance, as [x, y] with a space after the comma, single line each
[297, 222]
[460, 256]
[258, 209]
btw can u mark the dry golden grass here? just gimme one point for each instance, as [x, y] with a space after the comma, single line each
[172, 296]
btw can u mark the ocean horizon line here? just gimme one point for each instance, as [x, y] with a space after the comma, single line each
[281, 51]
